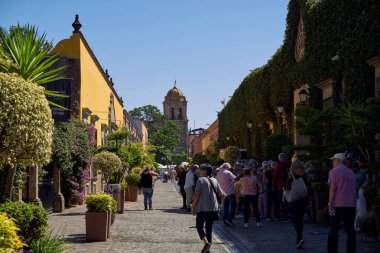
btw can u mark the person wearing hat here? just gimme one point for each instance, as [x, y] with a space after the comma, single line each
[342, 203]
[226, 181]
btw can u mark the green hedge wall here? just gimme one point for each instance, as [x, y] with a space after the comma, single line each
[349, 29]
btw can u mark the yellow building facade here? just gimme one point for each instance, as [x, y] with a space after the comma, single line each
[93, 97]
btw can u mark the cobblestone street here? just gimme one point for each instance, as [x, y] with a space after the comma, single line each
[169, 229]
[165, 229]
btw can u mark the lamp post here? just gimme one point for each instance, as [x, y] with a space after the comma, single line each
[249, 127]
[303, 94]
[280, 109]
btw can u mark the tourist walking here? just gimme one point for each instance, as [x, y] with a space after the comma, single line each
[146, 184]
[299, 205]
[181, 183]
[249, 191]
[280, 176]
[342, 203]
[268, 175]
[190, 185]
[206, 205]
[226, 181]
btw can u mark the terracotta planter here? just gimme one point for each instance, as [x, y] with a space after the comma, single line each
[96, 226]
[120, 206]
[376, 212]
[126, 196]
[133, 193]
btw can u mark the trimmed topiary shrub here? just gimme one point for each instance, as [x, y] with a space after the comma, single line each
[98, 202]
[133, 179]
[274, 145]
[231, 154]
[26, 124]
[31, 219]
[107, 163]
[136, 170]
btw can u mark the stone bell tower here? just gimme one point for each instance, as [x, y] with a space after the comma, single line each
[175, 108]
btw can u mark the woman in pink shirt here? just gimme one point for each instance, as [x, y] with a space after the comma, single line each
[248, 190]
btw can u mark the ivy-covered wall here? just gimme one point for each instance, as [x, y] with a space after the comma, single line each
[349, 30]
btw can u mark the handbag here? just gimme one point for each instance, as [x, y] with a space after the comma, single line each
[297, 190]
[215, 213]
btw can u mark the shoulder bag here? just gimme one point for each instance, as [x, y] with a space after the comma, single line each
[297, 190]
[215, 213]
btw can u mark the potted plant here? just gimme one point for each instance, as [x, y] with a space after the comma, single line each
[113, 211]
[372, 196]
[132, 181]
[107, 163]
[97, 216]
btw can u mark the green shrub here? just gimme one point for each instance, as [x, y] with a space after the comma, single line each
[106, 162]
[123, 185]
[274, 145]
[136, 170]
[9, 240]
[231, 154]
[98, 202]
[31, 219]
[50, 243]
[116, 177]
[372, 195]
[133, 179]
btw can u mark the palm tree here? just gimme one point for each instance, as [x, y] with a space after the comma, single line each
[24, 52]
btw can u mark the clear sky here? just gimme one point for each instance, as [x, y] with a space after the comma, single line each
[209, 46]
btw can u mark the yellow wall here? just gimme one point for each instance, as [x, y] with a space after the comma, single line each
[95, 92]
[210, 136]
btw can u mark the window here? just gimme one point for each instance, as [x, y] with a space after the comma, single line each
[172, 113]
[180, 113]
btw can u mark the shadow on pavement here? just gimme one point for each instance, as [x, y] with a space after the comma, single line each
[76, 238]
[176, 211]
[69, 214]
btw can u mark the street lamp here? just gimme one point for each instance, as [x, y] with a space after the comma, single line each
[249, 126]
[280, 108]
[303, 94]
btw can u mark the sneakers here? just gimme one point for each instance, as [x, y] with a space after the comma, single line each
[228, 223]
[259, 224]
[299, 244]
[206, 248]
[146, 208]
[245, 225]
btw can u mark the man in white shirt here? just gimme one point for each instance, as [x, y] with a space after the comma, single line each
[190, 186]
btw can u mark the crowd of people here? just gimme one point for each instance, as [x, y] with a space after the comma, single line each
[275, 191]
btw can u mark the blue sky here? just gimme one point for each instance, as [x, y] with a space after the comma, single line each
[209, 46]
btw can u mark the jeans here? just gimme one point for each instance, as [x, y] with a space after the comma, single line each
[251, 200]
[202, 218]
[148, 193]
[347, 215]
[298, 209]
[229, 207]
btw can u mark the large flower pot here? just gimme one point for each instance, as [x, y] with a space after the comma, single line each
[120, 206]
[133, 193]
[96, 226]
[126, 196]
[376, 212]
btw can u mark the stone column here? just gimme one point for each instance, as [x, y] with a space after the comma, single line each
[33, 186]
[59, 200]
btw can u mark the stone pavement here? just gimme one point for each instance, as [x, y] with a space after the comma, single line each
[169, 229]
[165, 229]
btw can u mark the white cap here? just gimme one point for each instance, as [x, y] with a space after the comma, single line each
[225, 165]
[339, 156]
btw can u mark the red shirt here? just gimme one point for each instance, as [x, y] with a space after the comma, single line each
[280, 175]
